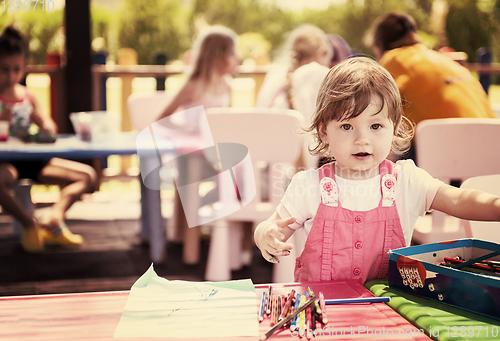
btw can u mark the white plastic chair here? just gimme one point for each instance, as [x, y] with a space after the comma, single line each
[273, 136]
[144, 110]
[485, 230]
[455, 149]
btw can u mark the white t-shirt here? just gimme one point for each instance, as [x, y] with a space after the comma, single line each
[415, 191]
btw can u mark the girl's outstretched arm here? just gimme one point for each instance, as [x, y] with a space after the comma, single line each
[185, 94]
[467, 204]
[270, 237]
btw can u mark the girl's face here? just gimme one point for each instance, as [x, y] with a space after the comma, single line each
[360, 144]
[11, 71]
[232, 62]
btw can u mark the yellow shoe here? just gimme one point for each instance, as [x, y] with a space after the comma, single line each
[32, 239]
[62, 236]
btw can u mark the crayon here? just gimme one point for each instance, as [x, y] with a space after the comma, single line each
[274, 307]
[268, 303]
[287, 306]
[294, 325]
[316, 304]
[262, 307]
[323, 308]
[289, 318]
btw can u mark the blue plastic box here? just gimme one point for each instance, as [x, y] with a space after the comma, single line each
[415, 269]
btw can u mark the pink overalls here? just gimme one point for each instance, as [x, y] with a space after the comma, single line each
[351, 245]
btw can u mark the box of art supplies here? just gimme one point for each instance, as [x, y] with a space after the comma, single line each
[464, 273]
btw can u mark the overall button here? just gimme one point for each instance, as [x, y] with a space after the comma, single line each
[358, 219]
[356, 271]
[358, 245]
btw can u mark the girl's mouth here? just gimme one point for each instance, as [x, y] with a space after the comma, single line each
[362, 155]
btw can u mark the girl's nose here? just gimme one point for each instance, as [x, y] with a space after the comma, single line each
[361, 138]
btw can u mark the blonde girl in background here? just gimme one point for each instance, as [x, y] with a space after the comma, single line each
[214, 63]
[295, 84]
[355, 209]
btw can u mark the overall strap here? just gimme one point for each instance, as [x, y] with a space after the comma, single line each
[328, 186]
[388, 179]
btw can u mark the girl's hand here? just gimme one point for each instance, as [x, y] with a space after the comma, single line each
[48, 126]
[270, 239]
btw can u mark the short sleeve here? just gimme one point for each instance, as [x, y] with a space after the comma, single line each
[418, 186]
[301, 198]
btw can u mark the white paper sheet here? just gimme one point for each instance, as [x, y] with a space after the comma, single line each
[157, 307]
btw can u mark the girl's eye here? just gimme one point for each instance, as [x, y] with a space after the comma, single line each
[346, 126]
[376, 126]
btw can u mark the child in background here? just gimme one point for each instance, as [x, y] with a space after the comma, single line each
[355, 209]
[21, 109]
[208, 84]
[295, 84]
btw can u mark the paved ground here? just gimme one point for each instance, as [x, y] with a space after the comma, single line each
[112, 257]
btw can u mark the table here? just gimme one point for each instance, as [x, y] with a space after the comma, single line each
[94, 316]
[124, 143]
[442, 321]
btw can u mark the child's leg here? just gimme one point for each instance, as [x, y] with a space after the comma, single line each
[75, 179]
[32, 241]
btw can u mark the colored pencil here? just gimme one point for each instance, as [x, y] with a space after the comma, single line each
[309, 321]
[268, 303]
[262, 307]
[316, 304]
[289, 318]
[278, 307]
[288, 304]
[323, 308]
[293, 327]
[356, 300]
[274, 308]
[302, 317]
[313, 318]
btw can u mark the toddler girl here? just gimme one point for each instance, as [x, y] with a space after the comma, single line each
[21, 109]
[355, 209]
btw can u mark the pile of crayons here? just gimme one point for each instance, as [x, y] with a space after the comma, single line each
[485, 267]
[281, 307]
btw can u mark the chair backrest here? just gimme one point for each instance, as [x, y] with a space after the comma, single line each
[271, 135]
[489, 231]
[144, 109]
[458, 148]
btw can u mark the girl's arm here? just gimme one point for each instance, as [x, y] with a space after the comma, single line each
[270, 237]
[185, 94]
[45, 122]
[467, 204]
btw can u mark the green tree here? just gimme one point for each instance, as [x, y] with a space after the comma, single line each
[247, 16]
[151, 25]
[39, 27]
[468, 28]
